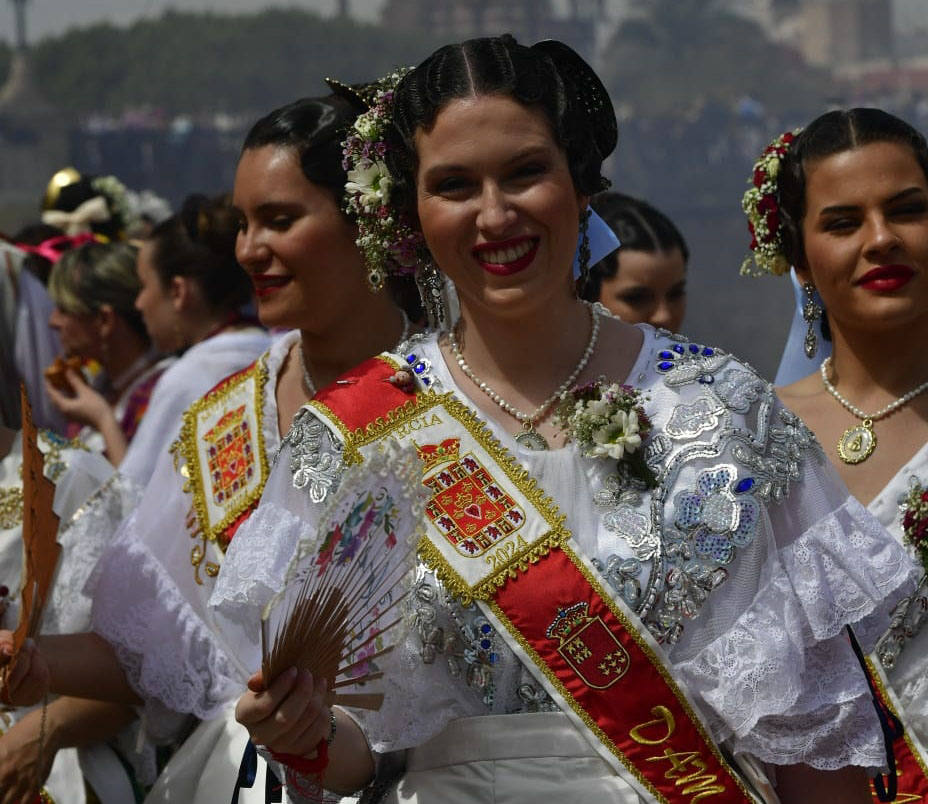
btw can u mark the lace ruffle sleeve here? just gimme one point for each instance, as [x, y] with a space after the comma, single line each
[768, 655]
[145, 593]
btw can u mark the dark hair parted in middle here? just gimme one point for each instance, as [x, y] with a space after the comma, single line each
[548, 75]
[639, 227]
[315, 129]
[833, 133]
[199, 243]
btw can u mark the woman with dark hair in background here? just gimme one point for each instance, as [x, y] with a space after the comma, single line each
[94, 288]
[581, 574]
[850, 197]
[644, 281]
[298, 247]
[190, 296]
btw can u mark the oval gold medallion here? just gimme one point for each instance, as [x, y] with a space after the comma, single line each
[857, 444]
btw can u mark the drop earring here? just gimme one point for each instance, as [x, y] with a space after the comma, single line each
[811, 312]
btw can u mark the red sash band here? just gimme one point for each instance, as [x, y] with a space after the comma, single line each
[612, 680]
[557, 616]
[911, 767]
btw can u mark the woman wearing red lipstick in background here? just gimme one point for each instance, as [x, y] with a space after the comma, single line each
[298, 247]
[655, 511]
[852, 193]
[192, 292]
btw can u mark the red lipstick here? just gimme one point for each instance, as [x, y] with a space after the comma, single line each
[506, 257]
[266, 284]
[886, 278]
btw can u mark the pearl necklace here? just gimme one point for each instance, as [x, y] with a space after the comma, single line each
[858, 442]
[307, 377]
[530, 438]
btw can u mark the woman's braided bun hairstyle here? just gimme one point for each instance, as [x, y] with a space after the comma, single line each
[548, 75]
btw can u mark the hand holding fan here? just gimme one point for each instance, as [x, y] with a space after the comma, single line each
[340, 606]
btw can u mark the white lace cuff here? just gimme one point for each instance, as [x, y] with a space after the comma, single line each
[137, 606]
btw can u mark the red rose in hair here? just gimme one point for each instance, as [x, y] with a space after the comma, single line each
[759, 178]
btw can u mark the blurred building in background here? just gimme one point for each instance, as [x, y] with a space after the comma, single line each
[527, 20]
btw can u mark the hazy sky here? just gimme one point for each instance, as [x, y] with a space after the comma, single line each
[54, 16]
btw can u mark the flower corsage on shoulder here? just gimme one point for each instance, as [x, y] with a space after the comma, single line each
[608, 421]
[915, 521]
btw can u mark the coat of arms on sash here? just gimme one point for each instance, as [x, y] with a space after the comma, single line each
[220, 452]
[589, 647]
[467, 506]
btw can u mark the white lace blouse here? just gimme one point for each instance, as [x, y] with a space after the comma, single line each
[148, 602]
[746, 563]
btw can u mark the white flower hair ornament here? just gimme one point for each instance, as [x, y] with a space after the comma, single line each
[389, 243]
[760, 204]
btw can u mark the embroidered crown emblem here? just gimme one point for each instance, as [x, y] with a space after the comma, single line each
[433, 454]
[567, 621]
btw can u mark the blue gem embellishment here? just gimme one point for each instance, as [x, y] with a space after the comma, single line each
[419, 367]
[665, 355]
[411, 359]
[708, 351]
[744, 485]
[485, 644]
[694, 348]
[678, 348]
[485, 629]
[664, 366]
[494, 658]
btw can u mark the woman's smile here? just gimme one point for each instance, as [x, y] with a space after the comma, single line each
[267, 284]
[507, 257]
[886, 278]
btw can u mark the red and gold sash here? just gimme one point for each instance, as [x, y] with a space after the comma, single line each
[220, 452]
[495, 538]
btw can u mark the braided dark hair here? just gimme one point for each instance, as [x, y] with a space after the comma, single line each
[314, 128]
[639, 227]
[549, 75]
[832, 133]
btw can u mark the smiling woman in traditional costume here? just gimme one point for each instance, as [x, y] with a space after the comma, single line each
[634, 554]
[845, 202]
[191, 292]
[298, 247]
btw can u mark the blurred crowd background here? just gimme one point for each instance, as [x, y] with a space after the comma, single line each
[160, 95]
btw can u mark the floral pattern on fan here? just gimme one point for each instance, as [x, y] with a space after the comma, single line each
[338, 610]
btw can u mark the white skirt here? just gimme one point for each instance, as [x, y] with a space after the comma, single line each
[510, 759]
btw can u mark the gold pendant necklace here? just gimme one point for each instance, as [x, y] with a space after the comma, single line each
[858, 442]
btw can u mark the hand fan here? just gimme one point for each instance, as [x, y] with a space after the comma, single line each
[340, 606]
[40, 529]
